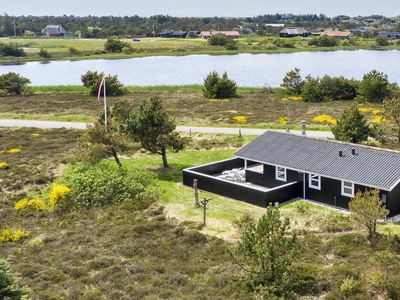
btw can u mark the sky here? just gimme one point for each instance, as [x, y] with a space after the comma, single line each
[198, 8]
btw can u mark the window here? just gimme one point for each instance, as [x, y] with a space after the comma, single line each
[347, 189]
[280, 174]
[314, 181]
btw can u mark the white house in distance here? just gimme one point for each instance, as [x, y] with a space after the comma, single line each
[56, 31]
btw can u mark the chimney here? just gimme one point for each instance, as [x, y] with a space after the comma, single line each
[353, 151]
[340, 153]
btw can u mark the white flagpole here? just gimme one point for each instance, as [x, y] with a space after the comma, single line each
[105, 102]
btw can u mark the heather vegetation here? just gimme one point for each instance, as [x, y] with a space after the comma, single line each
[158, 248]
[75, 224]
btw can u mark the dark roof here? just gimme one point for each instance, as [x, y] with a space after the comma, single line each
[178, 33]
[370, 166]
[390, 34]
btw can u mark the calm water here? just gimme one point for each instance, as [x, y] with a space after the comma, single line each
[246, 69]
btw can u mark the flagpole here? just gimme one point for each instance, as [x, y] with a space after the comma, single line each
[105, 102]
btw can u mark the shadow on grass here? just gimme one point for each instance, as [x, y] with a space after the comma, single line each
[170, 174]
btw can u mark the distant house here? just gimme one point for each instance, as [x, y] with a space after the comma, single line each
[56, 31]
[230, 34]
[294, 31]
[286, 17]
[365, 29]
[274, 25]
[387, 26]
[244, 30]
[390, 35]
[165, 34]
[179, 34]
[278, 167]
[336, 34]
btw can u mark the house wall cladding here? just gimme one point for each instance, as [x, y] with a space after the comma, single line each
[280, 191]
[330, 192]
[218, 167]
[207, 182]
[239, 191]
[392, 202]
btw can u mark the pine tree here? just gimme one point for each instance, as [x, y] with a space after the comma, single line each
[154, 129]
[351, 127]
[266, 252]
[9, 284]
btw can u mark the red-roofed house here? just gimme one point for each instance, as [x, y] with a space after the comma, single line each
[337, 34]
[230, 34]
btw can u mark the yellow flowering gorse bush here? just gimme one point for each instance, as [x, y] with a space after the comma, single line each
[240, 119]
[14, 150]
[294, 98]
[58, 194]
[21, 204]
[369, 109]
[282, 120]
[35, 204]
[379, 120]
[35, 134]
[324, 119]
[10, 235]
[3, 165]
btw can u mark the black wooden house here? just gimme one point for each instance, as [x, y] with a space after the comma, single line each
[277, 167]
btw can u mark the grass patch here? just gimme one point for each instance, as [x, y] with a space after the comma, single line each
[56, 88]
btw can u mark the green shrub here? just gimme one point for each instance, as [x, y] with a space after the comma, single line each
[311, 91]
[126, 50]
[219, 87]
[349, 286]
[43, 53]
[97, 185]
[116, 45]
[382, 41]
[74, 51]
[92, 81]
[218, 40]
[324, 41]
[11, 49]
[329, 88]
[374, 87]
[232, 45]
[13, 83]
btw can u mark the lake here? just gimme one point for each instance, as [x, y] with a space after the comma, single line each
[248, 70]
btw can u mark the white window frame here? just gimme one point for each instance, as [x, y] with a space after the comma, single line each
[345, 187]
[314, 178]
[280, 173]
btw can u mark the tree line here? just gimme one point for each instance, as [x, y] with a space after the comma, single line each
[105, 26]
